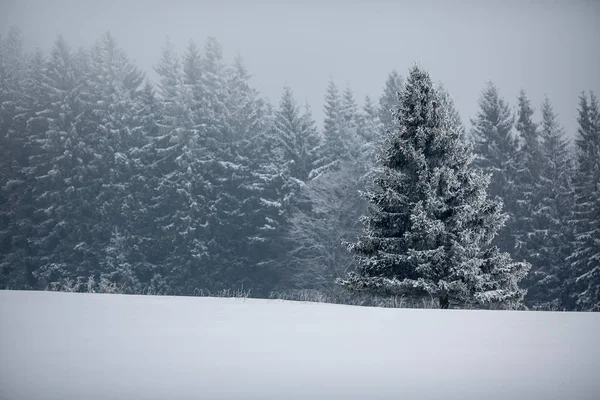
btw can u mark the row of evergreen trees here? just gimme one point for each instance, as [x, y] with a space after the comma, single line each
[551, 193]
[195, 182]
[184, 185]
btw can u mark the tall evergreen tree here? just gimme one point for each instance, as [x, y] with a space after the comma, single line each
[192, 68]
[316, 255]
[370, 124]
[253, 190]
[429, 222]
[146, 166]
[296, 136]
[496, 148]
[370, 131]
[60, 163]
[181, 200]
[454, 119]
[340, 130]
[527, 180]
[388, 101]
[19, 90]
[586, 217]
[332, 148]
[551, 241]
[114, 90]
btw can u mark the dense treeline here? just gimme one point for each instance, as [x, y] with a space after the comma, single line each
[194, 182]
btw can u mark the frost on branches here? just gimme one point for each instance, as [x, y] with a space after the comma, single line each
[429, 222]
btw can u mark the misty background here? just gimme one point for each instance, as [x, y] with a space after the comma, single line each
[546, 47]
[135, 158]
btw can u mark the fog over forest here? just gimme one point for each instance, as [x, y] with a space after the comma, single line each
[361, 152]
[544, 47]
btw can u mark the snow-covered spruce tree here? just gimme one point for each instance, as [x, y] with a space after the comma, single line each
[547, 283]
[527, 181]
[20, 189]
[114, 93]
[253, 190]
[370, 126]
[389, 100]
[429, 223]
[60, 164]
[192, 71]
[495, 149]
[296, 136]
[316, 256]
[586, 216]
[180, 191]
[20, 100]
[340, 136]
[454, 119]
[330, 199]
[149, 248]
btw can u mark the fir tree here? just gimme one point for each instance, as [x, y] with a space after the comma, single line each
[496, 148]
[527, 180]
[429, 221]
[192, 68]
[527, 193]
[114, 92]
[454, 119]
[148, 247]
[586, 217]
[296, 135]
[341, 142]
[551, 238]
[388, 102]
[19, 87]
[332, 148]
[370, 124]
[181, 199]
[316, 255]
[370, 131]
[60, 162]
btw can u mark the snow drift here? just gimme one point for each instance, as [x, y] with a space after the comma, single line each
[85, 346]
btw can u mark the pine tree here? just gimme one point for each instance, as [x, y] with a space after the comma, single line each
[429, 222]
[370, 125]
[586, 217]
[192, 69]
[370, 131]
[314, 139]
[316, 256]
[332, 149]
[341, 142]
[180, 201]
[527, 181]
[148, 249]
[330, 199]
[496, 153]
[116, 266]
[19, 90]
[388, 102]
[114, 89]
[454, 119]
[296, 135]
[59, 164]
[551, 238]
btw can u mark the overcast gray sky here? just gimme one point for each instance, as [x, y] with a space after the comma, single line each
[546, 47]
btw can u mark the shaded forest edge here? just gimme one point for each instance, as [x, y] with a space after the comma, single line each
[194, 184]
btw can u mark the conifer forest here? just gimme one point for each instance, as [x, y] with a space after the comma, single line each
[194, 182]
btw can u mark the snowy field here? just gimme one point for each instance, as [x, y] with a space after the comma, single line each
[65, 346]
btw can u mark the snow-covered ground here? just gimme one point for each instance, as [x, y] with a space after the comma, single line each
[66, 346]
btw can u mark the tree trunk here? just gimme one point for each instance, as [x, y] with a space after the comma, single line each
[444, 302]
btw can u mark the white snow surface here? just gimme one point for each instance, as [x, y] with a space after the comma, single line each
[72, 346]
